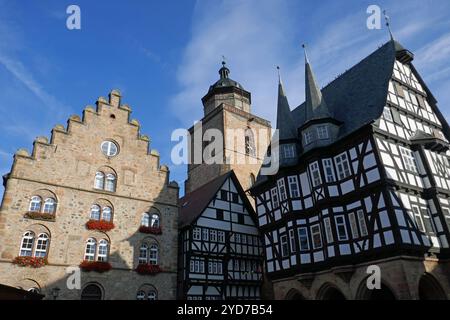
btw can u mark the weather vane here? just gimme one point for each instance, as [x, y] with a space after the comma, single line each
[223, 60]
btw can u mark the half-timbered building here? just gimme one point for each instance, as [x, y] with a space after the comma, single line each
[220, 253]
[364, 180]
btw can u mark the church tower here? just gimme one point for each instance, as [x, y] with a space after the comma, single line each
[228, 137]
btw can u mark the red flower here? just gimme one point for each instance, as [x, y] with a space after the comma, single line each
[33, 262]
[101, 225]
[98, 266]
[146, 268]
[152, 230]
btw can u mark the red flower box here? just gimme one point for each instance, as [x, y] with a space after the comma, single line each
[101, 225]
[98, 266]
[145, 268]
[33, 262]
[152, 230]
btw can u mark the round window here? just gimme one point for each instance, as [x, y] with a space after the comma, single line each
[109, 148]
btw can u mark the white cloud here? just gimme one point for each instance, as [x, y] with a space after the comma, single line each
[253, 35]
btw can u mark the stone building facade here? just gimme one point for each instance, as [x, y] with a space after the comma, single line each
[59, 201]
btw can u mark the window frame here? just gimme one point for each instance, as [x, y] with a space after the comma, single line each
[328, 169]
[293, 181]
[107, 152]
[322, 132]
[341, 224]
[304, 236]
[316, 178]
[342, 161]
[319, 234]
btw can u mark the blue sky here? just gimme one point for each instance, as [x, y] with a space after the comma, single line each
[164, 55]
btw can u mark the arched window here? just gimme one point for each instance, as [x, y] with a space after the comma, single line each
[91, 246]
[153, 254]
[99, 180]
[155, 220]
[145, 220]
[41, 246]
[143, 254]
[110, 182]
[152, 295]
[102, 254]
[26, 248]
[35, 204]
[107, 214]
[249, 143]
[49, 205]
[140, 295]
[95, 212]
[91, 292]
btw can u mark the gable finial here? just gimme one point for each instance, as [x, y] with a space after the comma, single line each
[388, 24]
[306, 53]
[279, 74]
[224, 71]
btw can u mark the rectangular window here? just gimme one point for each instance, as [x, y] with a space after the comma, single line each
[292, 240]
[316, 236]
[399, 89]
[213, 235]
[329, 170]
[418, 217]
[353, 225]
[293, 187]
[362, 223]
[221, 236]
[328, 230]
[315, 174]
[303, 239]
[224, 195]
[275, 202]
[446, 212]
[322, 132]
[288, 151]
[196, 234]
[387, 114]
[282, 189]
[343, 167]
[427, 222]
[205, 234]
[308, 136]
[284, 246]
[237, 238]
[408, 159]
[192, 266]
[219, 214]
[341, 228]
[234, 197]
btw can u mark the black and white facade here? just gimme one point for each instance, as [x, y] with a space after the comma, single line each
[370, 174]
[220, 252]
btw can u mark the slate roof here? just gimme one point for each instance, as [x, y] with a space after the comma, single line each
[194, 203]
[358, 96]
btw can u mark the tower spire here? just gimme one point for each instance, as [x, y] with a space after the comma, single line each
[388, 24]
[315, 104]
[285, 123]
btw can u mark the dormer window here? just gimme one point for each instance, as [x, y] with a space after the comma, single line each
[308, 137]
[288, 151]
[322, 132]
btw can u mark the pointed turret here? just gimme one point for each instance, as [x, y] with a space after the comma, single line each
[320, 128]
[285, 123]
[315, 104]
